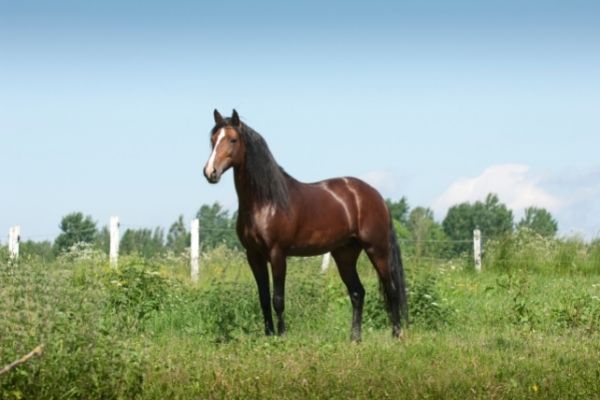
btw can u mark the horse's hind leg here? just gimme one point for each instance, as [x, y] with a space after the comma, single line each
[380, 259]
[345, 259]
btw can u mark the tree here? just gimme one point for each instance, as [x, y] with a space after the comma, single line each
[399, 209]
[539, 220]
[491, 217]
[102, 241]
[144, 242]
[178, 238]
[43, 250]
[216, 227]
[76, 228]
[427, 235]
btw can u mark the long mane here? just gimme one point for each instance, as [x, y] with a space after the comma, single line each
[267, 180]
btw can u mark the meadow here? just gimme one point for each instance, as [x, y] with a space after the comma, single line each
[528, 326]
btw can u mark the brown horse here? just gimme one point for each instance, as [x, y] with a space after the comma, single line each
[279, 217]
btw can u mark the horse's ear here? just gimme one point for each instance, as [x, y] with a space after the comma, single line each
[235, 118]
[219, 120]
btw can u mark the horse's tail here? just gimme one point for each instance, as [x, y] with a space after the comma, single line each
[398, 280]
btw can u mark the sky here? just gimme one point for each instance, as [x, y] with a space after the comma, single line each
[106, 107]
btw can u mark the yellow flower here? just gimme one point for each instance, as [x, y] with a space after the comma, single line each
[535, 388]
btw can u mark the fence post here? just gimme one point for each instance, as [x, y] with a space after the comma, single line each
[14, 238]
[195, 249]
[477, 249]
[325, 262]
[114, 241]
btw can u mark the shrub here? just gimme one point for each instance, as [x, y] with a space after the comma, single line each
[85, 356]
[427, 309]
[580, 310]
[136, 290]
[228, 310]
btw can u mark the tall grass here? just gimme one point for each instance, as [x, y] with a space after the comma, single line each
[528, 326]
[529, 251]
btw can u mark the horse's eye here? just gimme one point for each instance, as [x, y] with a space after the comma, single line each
[232, 140]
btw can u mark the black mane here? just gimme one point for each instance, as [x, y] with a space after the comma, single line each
[267, 180]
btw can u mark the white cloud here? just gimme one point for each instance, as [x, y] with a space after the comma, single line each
[514, 184]
[572, 195]
[383, 180]
[580, 189]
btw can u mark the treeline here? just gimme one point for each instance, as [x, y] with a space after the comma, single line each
[217, 228]
[423, 236]
[420, 233]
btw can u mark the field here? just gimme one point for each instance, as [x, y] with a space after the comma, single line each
[526, 327]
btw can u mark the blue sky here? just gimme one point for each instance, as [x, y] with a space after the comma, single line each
[105, 107]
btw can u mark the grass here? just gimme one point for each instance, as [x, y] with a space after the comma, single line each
[145, 331]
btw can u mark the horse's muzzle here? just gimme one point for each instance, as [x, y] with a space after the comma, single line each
[213, 177]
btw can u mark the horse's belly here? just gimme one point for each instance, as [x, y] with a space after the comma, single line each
[318, 242]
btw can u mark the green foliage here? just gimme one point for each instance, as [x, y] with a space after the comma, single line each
[75, 228]
[144, 330]
[427, 236]
[216, 227]
[427, 308]
[85, 356]
[229, 310]
[144, 242]
[493, 218]
[38, 250]
[136, 290]
[527, 250]
[523, 309]
[398, 209]
[540, 221]
[102, 241]
[594, 256]
[579, 310]
[4, 256]
[375, 315]
[523, 250]
[178, 238]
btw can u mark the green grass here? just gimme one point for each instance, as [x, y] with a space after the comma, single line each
[145, 331]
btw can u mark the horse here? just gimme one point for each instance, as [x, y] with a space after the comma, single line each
[280, 217]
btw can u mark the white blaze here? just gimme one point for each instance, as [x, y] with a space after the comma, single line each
[210, 165]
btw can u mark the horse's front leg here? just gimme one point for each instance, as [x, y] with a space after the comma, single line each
[278, 269]
[258, 264]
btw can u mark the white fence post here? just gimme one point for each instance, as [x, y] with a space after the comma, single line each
[195, 249]
[14, 238]
[325, 262]
[477, 249]
[114, 241]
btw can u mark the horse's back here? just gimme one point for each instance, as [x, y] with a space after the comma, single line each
[338, 210]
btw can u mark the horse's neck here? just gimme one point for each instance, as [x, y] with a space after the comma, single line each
[247, 202]
[244, 192]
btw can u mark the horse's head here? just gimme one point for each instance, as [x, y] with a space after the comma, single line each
[227, 146]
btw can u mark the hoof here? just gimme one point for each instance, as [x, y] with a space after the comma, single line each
[398, 333]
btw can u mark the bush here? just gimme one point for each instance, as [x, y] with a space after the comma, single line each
[136, 290]
[527, 250]
[375, 313]
[85, 356]
[228, 310]
[426, 307]
[580, 310]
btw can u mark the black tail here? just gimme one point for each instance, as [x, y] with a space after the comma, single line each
[398, 279]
